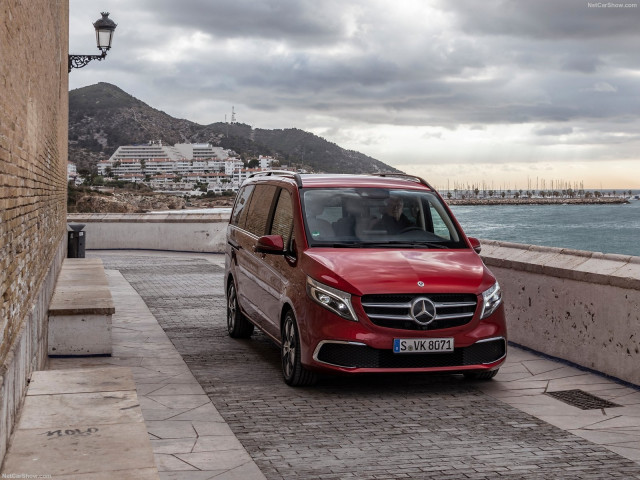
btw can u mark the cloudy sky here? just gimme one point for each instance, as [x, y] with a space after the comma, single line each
[494, 92]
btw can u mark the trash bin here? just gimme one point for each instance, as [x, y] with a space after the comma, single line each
[76, 240]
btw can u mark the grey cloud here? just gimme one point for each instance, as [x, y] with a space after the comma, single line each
[306, 21]
[582, 63]
[545, 19]
[602, 87]
[553, 131]
[494, 62]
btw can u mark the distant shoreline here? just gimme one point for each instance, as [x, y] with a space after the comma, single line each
[537, 201]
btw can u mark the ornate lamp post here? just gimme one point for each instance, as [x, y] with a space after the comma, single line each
[104, 35]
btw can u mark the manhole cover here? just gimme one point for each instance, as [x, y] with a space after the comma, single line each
[582, 399]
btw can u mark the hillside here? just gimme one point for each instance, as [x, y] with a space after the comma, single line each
[103, 117]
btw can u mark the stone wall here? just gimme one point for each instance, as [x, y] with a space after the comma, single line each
[189, 232]
[580, 306]
[583, 307]
[33, 163]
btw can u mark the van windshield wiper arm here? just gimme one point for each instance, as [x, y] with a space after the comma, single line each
[430, 244]
[397, 243]
[349, 245]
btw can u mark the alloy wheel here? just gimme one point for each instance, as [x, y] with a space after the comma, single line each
[232, 308]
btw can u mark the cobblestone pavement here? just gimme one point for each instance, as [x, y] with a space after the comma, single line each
[379, 426]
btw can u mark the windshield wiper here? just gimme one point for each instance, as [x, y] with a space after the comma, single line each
[431, 244]
[348, 245]
[397, 243]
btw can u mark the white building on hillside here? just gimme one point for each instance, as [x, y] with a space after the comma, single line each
[153, 156]
[180, 167]
[199, 151]
[72, 171]
[266, 162]
[146, 151]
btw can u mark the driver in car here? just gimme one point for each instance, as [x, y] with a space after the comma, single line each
[393, 220]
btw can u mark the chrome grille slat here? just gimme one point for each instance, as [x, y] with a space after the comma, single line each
[447, 316]
[393, 311]
[387, 305]
[454, 304]
[406, 318]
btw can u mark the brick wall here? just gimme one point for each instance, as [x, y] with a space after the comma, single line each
[33, 163]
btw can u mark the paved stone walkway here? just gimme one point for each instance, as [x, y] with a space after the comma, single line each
[378, 426]
[190, 439]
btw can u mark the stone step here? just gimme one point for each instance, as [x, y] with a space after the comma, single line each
[81, 423]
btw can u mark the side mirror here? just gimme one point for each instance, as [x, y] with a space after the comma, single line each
[475, 244]
[273, 244]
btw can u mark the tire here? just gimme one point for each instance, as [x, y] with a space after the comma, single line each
[237, 324]
[486, 375]
[295, 375]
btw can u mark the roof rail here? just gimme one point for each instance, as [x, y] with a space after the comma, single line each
[413, 178]
[284, 173]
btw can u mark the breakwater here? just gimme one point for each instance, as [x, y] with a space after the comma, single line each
[536, 201]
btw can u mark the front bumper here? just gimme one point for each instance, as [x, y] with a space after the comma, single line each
[349, 356]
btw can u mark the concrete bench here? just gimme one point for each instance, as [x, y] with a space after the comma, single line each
[81, 423]
[80, 310]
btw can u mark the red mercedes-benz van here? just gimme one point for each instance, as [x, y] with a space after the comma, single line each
[360, 273]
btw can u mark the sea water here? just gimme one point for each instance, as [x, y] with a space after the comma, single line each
[609, 228]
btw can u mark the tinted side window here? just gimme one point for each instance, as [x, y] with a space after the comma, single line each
[239, 214]
[283, 217]
[259, 208]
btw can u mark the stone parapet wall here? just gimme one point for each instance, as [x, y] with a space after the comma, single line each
[176, 232]
[580, 306]
[33, 184]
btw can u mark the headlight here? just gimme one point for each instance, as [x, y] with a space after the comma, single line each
[491, 299]
[337, 301]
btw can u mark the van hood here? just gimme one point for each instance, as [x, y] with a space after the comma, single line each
[376, 271]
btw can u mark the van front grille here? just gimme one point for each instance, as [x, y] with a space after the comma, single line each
[394, 311]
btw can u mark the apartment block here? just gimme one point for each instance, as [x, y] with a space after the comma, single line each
[176, 168]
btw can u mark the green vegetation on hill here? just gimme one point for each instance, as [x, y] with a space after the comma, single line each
[102, 117]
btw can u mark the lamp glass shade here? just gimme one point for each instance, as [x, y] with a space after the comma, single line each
[103, 38]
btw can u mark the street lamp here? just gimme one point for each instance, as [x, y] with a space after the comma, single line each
[104, 35]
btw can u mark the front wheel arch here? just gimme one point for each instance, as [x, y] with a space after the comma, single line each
[293, 372]
[238, 325]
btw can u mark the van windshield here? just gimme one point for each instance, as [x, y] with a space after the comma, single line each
[377, 217]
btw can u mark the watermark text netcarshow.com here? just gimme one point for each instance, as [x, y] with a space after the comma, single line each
[23, 475]
[611, 5]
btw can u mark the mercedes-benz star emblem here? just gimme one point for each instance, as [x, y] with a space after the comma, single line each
[423, 311]
[421, 283]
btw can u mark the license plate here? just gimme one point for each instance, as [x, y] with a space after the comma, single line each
[422, 345]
